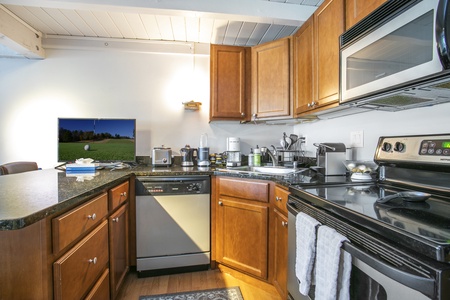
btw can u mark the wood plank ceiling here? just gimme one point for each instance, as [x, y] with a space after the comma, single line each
[227, 22]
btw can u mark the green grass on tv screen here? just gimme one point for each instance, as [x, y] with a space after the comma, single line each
[105, 150]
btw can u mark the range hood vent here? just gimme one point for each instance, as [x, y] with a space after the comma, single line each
[427, 94]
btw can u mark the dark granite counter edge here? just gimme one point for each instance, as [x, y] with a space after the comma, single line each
[14, 224]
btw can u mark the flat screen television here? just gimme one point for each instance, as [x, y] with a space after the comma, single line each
[103, 140]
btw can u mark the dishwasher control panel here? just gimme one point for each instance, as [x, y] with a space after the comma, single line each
[148, 185]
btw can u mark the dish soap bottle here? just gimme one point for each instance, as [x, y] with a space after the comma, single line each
[257, 157]
[251, 158]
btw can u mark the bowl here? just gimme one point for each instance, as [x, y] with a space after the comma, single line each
[360, 169]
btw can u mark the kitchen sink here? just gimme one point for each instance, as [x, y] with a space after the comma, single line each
[266, 170]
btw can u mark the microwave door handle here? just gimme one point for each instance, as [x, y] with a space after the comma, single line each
[421, 284]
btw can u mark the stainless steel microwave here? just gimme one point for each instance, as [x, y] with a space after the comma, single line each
[398, 57]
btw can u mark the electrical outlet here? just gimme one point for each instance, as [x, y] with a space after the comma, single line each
[357, 139]
[303, 140]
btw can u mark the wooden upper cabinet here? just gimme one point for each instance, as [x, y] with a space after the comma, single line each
[271, 79]
[303, 43]
[356, 10]
[230, 73]
[325, 26]
[329, 25]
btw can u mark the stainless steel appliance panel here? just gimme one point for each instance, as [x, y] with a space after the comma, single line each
[172, 222]
[399, 62]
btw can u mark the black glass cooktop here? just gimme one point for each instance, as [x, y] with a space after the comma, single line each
[429, 219]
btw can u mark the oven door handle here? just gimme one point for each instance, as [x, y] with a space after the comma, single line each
[418, 283]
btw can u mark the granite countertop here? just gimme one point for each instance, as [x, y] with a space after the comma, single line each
[29, 197]
[32, 196]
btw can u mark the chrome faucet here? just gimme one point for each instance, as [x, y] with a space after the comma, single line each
[274, 160]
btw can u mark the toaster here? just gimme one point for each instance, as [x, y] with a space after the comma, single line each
[161, 156]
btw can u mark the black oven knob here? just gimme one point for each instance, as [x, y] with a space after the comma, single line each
[399, 147]
[386, 147]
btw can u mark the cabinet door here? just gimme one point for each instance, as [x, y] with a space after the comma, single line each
[356, 10]
[229, 98]
[328, 26]
[271, 79]
[242, 237]
[280, 253]
[118, 195]
[100, 291]
[77, 270]
[118, 245]
[76, 222]
[303, 67]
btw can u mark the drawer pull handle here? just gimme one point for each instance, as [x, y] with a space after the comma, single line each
[278, 198]
[124, 194]
[284, 224]
[92, 217]
[93, 260]
[220, 203]
[115, 219]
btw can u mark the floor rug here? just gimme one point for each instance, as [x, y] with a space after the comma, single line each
[232, 293]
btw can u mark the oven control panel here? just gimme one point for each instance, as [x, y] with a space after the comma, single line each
[431, 149]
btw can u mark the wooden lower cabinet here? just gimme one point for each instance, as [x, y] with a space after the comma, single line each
[81, 253]
[242, 236]
[101, 289]
[280, 252]
[279, 234]
[242, 219]
[76, 271]
[118, 248]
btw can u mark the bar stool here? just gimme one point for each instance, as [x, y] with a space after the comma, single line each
[18, 167]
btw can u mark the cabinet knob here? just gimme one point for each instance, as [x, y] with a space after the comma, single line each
[278, 198]
[220, 203]
[309, 105]
[115, 219]
[92, 217]
[124, 194]
[242, 114]
[284, 224]
[93, 260]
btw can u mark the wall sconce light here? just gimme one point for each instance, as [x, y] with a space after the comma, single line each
[192, 105]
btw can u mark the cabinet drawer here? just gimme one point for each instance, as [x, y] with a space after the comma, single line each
[71, 225]
[100, 291]
[248, 190]
[76, 271]
[118, 195]
[281, 198]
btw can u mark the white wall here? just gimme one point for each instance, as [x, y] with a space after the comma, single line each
[151, 87]
[426, 120]
[112, 84]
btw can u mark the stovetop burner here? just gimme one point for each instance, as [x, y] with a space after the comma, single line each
[429, 219]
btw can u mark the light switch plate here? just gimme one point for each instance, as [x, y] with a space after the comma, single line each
[357, 139]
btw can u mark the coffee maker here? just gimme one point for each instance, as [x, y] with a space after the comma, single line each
[187, 156]
[233, 152]
[203, 151]
[330, 158]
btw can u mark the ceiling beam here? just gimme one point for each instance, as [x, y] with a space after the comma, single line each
[253, 10]
[17, 36]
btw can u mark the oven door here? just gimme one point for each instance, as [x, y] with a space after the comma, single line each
[371, 277]
[401, 50]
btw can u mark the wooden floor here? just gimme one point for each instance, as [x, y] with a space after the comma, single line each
[133, 287]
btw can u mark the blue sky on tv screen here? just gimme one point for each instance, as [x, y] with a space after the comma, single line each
[122, 127]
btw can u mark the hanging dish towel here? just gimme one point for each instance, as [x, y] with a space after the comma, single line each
[306, 250]
[333, 266]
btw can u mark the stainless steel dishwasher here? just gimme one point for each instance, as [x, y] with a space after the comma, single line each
[172, 224]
